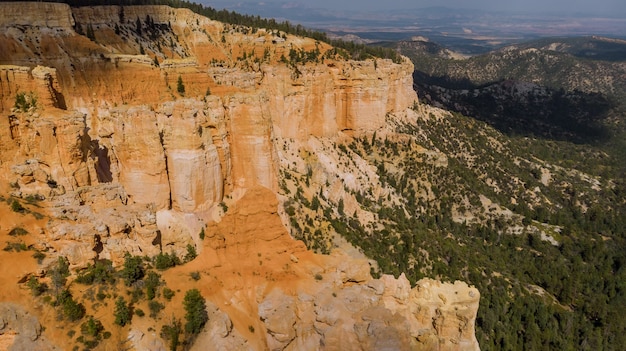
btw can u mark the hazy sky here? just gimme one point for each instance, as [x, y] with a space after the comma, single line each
[590, 6]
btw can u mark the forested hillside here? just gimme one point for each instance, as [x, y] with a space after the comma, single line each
[532, 223]
[531, 205]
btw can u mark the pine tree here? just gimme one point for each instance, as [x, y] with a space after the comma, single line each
[138, 26]
[180, 87]
[122, 312]
[133, 269]
[196, 313]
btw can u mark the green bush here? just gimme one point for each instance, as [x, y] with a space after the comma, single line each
[195, 275]
[171, 332]
[152, 282]
[191, 253]
[202, 234]
[164, 261]
[180, 87]
[72, 310]
[133, 269]
[168, 293]
[196, 314]
[17, 207]
[92, 327]
[39, 256]
[18, 231]
[15, 246]
[122, 312]
[36, 287]
[24, 101]
[59, 274]
[155, 308]
[101, 272]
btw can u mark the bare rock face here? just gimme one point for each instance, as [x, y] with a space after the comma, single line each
[219, 333]
[383, 314]
[193, 160]
[48, 15]
[141, 158]
[20, 330]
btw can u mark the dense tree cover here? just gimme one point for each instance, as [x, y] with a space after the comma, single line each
[535, 295]
[351, 50]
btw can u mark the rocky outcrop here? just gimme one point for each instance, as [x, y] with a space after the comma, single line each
[302, 301]
[20, 330]
[29, 14]
[383, 314]
[219, 333]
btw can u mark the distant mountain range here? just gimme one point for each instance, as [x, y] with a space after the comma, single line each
[465, 30]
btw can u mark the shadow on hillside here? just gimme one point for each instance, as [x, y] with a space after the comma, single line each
[517, 108]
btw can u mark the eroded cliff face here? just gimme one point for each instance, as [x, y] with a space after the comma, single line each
[141, 133]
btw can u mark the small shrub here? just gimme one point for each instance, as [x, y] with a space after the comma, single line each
[202, 234]
[180, 87]
[152, 282]
[139, 312]
[195, 275]
[17, 207]
[136, 294]
[18, 231]
[34, 198]
[36, 287]
[91, 327]
[318, 276]
[191, 253]
[59, 274]
[24, 101]
[155, 308]
[72, 310]
[39, 256]
[171, 332]
[15, 246]
[168, 293]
